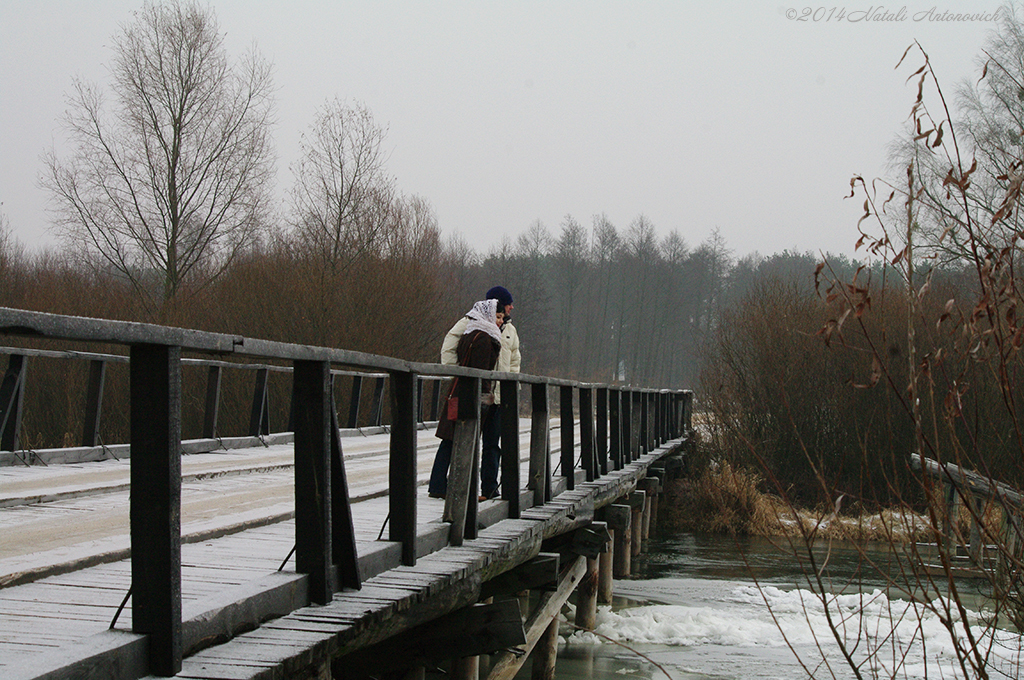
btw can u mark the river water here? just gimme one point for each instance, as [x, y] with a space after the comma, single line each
[693, 610]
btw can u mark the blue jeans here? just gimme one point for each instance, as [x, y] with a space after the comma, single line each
[439, 473]
[490, 457]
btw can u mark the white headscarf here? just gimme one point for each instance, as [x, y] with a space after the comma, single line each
[484, 317]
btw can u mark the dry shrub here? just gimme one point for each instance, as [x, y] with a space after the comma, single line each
[725, 499]
[722, 499]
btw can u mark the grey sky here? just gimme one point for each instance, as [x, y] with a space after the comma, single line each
[699, 115]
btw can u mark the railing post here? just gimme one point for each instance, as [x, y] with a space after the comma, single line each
[378, 403]
[311, 400]
[510, 446]
[155, 504]
[435, 396]
[12, 396]
[213, 379]
[353, 401]
[602, 430]
[461, 501]
[627, 426]
[419, 400]
[259, 419]
[402, 466]
[615, 423]
[540, 433]
[94, 402]
[568, 455]
[688, 410]
[645, 426]
[587, 433]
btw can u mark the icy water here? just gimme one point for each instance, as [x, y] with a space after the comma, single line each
[693, 611]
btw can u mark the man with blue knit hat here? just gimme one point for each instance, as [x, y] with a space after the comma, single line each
[509, 361]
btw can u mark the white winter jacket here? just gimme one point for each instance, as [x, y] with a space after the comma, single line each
[509, 359]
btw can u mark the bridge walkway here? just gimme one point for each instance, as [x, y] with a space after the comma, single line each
[64, 544]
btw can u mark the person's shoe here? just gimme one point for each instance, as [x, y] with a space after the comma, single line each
[482, 499]
[436, 495]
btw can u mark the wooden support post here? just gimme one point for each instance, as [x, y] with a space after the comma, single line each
[604, 571]
[12, 397]
[601, 443]
[402, 464]
[587, 454]
[311, 400]
[637, 501]
[94, 402]
[652, 487]
[545, 655]
[507, 664]
[620, 521]
[510, 482]
[259, 416]
[615, 426]
[212, 410]
[460, 503]
[355, 396]
[568, 454]
[586, 596]
[466, 668]
[155, 504]
[539, 445]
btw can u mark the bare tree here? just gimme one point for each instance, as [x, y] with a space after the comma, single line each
[173, 182]
[342, 197]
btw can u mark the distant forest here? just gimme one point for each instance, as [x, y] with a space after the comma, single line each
[603, 304]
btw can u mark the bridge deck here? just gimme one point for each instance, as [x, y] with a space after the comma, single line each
[64, 518]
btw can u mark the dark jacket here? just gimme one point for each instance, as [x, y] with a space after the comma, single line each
[476, 350]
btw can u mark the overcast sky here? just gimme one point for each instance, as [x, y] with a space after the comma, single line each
[699, 115]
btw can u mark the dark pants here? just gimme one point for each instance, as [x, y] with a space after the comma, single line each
[490, 456]
[490, 462]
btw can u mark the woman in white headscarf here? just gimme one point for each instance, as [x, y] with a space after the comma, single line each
[479, 347]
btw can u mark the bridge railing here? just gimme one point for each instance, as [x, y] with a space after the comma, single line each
[617, 425]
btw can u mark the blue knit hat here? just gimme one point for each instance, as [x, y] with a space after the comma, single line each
[500, 294]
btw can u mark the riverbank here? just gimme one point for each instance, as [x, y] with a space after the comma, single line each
[727, 500]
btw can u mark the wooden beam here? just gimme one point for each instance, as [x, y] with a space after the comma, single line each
[541, 571]
[343, 533]
[507, 664]
[467, 632]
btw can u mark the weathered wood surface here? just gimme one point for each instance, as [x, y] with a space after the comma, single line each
[226, 577]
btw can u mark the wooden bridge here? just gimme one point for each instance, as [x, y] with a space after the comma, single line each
[312, 551]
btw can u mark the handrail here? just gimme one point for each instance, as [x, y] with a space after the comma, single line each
[618, 424]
